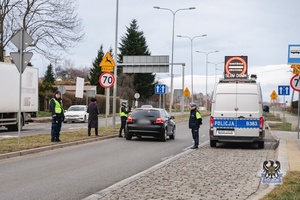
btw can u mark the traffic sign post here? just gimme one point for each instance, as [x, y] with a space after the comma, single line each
[160, 89]
[284, 90]
[295, 84]
[107, 80]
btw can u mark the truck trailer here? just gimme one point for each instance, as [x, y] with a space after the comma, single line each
[10, 91]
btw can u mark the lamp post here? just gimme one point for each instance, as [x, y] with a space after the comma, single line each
[172, 57]
[206, 53]
[192, 73]
[216, 68]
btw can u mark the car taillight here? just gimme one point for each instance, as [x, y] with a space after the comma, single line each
[159, 120]
[211, 121]
[129, 119]
[261, 122]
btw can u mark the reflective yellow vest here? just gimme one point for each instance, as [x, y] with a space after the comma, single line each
[123, 114]
[58, 108]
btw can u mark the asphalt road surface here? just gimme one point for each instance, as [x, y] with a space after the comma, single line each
[79, 171]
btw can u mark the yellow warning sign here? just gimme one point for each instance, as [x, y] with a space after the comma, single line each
[273, 95]
[107, 63]
[186, 92]
[296, 69]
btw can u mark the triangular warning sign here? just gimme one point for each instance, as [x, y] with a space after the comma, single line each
[107, 61]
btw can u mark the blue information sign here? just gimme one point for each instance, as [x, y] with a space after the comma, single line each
[283, 90]
[294, 54]
[160, 89]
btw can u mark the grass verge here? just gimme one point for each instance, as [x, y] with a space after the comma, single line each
[289, 190]
[35, 141]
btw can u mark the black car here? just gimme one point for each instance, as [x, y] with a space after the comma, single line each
[154, 122]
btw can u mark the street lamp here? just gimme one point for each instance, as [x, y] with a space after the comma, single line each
[172, 57]
[192, 68]
[206, 53]
[216, 68]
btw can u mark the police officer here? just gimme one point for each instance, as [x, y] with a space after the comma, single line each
[123, 115]
[194, 124]
[57, 116]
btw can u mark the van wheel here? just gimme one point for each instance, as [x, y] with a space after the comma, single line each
[213, 143]
[261, 145]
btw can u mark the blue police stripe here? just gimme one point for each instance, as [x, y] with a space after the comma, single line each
[235, 123]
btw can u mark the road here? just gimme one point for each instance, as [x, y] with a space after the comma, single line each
[78, 171]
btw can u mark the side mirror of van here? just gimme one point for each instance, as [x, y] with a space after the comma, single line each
[266, 109]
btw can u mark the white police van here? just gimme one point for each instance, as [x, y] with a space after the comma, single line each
[237, 112]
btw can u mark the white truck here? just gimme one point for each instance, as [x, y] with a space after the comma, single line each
[9, 90]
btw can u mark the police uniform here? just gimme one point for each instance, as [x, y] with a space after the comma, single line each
[57, 117]
[194, 124]
[123, 115]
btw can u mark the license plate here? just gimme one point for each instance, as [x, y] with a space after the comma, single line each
[225, 132]
[144, 121]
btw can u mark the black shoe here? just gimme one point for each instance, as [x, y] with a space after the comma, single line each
[194, 147]
[120, 136]
[52, 140]
[58, 140]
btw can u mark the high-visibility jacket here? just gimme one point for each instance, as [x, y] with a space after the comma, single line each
[123, 112]
[58, 108]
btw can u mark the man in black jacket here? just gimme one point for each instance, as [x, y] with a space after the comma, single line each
[194, 124]
[57, 112]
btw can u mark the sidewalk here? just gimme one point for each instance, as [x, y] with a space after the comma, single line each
[290, 141]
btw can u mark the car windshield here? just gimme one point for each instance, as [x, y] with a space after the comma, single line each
[145, 114]
[74, 108]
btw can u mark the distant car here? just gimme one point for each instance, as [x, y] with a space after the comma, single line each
[154, 122]
[146, 106]
[76, 113]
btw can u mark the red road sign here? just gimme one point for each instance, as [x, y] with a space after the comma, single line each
[295, 82]
[106, 79]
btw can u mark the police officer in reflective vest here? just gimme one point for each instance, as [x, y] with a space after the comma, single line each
[123, 115]
[57, 116]
[194, 124]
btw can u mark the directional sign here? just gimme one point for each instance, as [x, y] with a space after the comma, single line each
[107, 64]
[283, 90]
[295, 82]
[273, 95]
[106, 79]
[160, 88]
[186, 92]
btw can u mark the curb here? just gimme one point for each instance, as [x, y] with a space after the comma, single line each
[281, 156]
[126, 181]
[52, 147]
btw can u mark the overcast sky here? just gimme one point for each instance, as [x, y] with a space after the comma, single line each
[259, 29]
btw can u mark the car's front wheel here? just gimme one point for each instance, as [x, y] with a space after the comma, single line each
[172, 137]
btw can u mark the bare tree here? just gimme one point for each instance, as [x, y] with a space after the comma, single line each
[53, 24]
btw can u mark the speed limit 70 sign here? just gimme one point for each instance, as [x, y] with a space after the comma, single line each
[106, 79]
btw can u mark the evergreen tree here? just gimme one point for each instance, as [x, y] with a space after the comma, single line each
[134, 43]
[96, 71]
[49, 75]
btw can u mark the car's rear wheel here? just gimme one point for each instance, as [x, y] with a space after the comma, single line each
[128, 135]
[164, 136]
